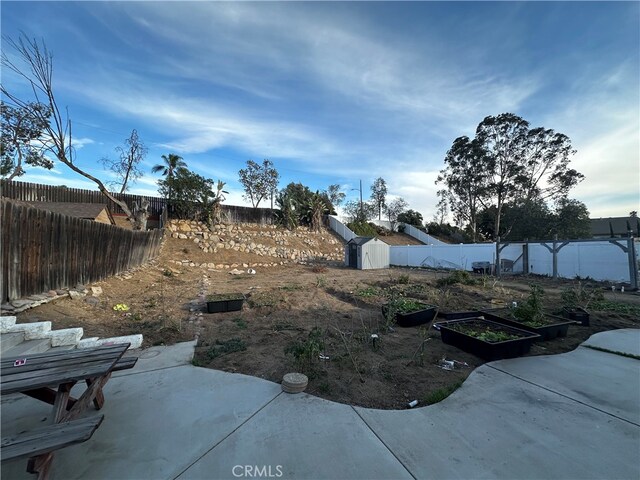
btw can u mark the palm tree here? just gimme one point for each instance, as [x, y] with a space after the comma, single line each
[172, 163]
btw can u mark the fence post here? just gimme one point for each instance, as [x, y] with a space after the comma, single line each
[633, 263]
[555, 256]
[525, 257]
[498, 256]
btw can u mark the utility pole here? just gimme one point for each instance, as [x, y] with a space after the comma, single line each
[361, 209]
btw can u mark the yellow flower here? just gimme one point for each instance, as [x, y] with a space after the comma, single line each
[121, 307]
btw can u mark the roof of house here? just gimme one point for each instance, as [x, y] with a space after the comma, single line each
[600, 226]
[79, 210]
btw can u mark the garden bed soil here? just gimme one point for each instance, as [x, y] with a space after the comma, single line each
[554, 326]
[285, 303]
[486, 339]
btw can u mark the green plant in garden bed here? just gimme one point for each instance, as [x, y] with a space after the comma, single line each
[486, 334]
[221, 297]
[531, 312]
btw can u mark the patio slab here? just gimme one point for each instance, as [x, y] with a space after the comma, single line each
[625, 340]
[304, 437]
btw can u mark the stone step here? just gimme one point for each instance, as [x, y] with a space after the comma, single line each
[65, 336]
[9, 340]
[134, 340]
[28, 347]
[32, 331]
[6, 323]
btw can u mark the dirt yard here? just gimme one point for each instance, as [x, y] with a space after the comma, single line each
[323, 315]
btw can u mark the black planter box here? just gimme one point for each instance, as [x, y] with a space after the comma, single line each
[458, 315]
[557, 328]
[578, 314]
[487, 350]
[413, 319]
[225, 305]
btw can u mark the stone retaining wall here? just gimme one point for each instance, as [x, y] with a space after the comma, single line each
[245, 238]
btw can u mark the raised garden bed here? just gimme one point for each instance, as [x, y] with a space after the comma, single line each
[548, 328]
[486, 339]
[410, 313]
[224, 302]
[578, 314]
[458, 315]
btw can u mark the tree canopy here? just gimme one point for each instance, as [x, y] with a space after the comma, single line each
[411, 217]
[259, 181]
[379, 195]
[506, 163]
[33, 62]
[22, 136]
[127, 166]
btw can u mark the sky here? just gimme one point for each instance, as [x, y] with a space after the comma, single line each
[340, 92]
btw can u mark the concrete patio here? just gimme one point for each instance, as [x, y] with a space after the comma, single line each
[575, 415]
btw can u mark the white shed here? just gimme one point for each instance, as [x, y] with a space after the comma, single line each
[365, 253]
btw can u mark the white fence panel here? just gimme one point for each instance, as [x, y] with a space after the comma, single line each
[513, 252]
[340, 228]
[459, 256]
[423, 237]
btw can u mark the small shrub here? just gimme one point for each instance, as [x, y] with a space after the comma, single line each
[167, 273]
[580, 295]
[225, 347]
[403, 279]
[321, 281]
[306, 353]
[459, 276]
[367, 292]
[531, 311]
[240, 323]
[363, 229]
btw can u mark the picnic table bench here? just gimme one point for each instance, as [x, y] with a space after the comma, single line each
[49, 377]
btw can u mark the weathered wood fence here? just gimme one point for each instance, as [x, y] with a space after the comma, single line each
[34, 192]
[44, 251]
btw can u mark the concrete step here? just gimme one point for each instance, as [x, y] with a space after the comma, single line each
[65, 336]
[28, 347]
[9, 340]
[32, 331]
[6, 323]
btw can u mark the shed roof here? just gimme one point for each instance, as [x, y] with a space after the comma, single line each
[80, 210]
[360, 240]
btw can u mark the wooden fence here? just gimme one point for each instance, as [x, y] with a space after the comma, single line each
[44, 251]
[34, 192]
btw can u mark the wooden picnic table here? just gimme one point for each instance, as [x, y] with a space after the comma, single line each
[49, 377]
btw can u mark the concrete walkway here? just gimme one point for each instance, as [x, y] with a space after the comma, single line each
[575, 415]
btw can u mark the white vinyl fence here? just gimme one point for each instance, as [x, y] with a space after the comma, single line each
[420, 235]
[459, 257]
[340, 228]
[599, 260]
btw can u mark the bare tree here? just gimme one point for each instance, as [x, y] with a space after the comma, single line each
[126, 167]
[56, 137]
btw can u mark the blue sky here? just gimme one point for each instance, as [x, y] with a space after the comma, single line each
[338, 92]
